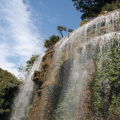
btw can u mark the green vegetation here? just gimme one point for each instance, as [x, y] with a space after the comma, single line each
[31, 61]
[84, 21]
[110, 7]
[70, 30]
[107, 68]
[90, 8]
[65, 109]
[62, 28]
[51, 41]
[8, 89]
[29, 110]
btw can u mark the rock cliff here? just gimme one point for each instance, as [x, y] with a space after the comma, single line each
[79, 77]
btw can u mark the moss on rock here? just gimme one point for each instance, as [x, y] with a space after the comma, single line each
[107, 69]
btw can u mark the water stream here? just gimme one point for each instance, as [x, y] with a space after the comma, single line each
[75, 54]
[79, 47]
[22, 101]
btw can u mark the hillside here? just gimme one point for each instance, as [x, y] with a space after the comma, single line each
[8, 89]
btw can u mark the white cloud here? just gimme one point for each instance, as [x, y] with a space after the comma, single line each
[52, 19]
[18, 34]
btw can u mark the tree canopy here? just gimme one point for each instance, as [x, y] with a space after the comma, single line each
[62, 28]
[90, 8]
[51, 41]
[110, 7]
[8, 89]
[70, 30]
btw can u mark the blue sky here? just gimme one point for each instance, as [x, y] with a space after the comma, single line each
[25, 24]
[52, 13]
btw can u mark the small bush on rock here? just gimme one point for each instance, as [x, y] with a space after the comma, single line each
[51, 41]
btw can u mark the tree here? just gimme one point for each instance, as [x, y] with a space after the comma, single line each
[23, 68]
[118, 3]
[70, 30]
[47, 43]
[90, 8]
[60, 29]
[8, 90]
[51, 41]
[31, 61]
[109, 7]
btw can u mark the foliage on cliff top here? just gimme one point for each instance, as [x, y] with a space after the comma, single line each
[90, 8]
[84, 21]
[8, 88]
[31, 61]
[51, 41]
[109, 7]
[106, 8]
[62, 28]
[22, 69]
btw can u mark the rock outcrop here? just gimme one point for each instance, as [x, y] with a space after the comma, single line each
[79, 77]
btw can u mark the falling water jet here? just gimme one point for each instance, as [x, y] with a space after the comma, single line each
[82, 67]
[22, 101]
[73, 64]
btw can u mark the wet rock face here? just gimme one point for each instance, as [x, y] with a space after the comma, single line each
[61, 88]
[106, 94]
[79, 77]
[36, 73]
[106, 82]
[37, 78]
[22, 102]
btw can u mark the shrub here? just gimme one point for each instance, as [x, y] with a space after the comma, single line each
[107, 68]
[29, 111]
[101, 13]
[117, 4]
[84, 21]
[51, 41]
[110, 7]
[31, 61]
[70, 30]
[8, 89]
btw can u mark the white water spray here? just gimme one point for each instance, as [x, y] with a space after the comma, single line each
[71, 52]
[96, 34]
[22, 101]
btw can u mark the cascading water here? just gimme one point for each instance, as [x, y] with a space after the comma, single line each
[76, 52]
[24, 97]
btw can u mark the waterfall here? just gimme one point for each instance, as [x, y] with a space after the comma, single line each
[79, 62]
[24, 97]
[75, 52]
